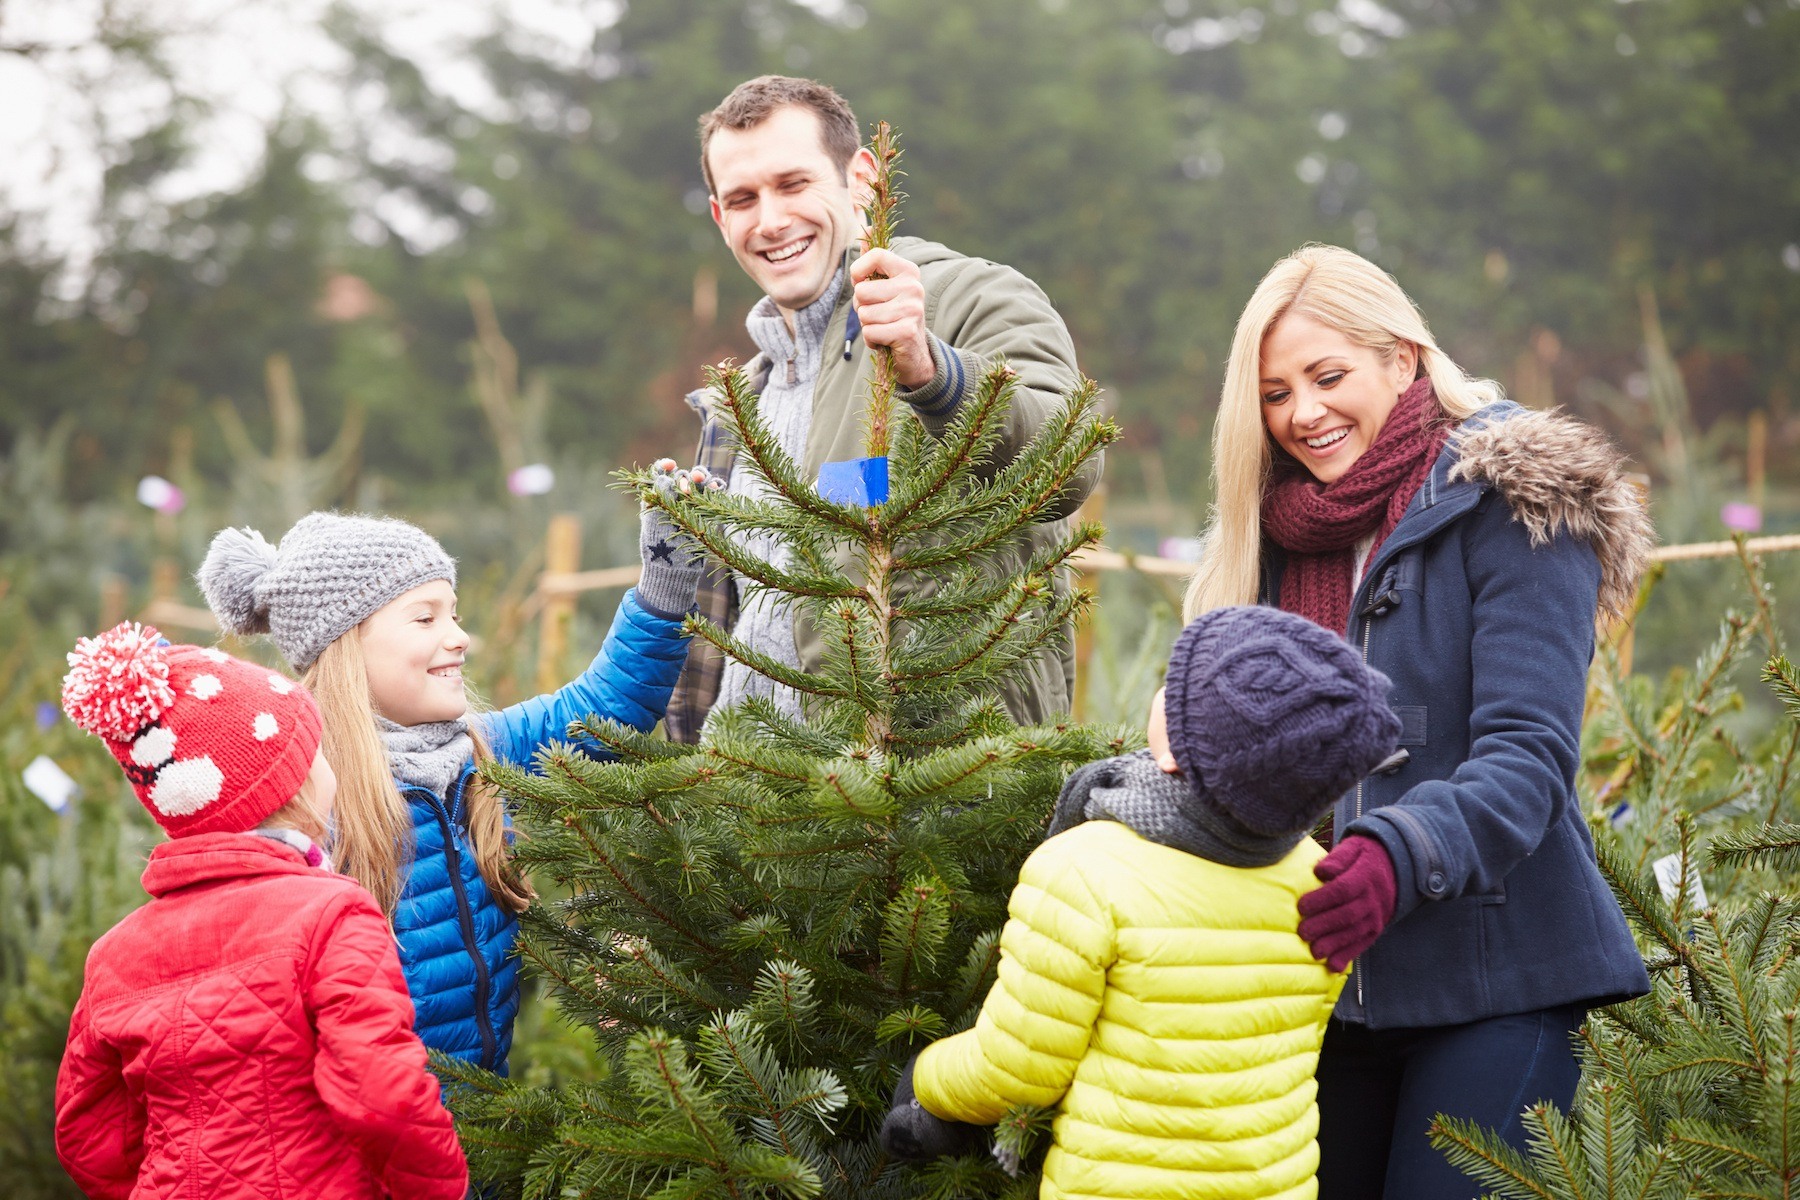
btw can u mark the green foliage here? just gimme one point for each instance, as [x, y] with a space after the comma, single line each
[1694, 1090]
[64, 880]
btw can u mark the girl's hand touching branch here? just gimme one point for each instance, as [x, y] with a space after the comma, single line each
[672, 563]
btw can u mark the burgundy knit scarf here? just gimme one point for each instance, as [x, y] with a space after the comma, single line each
[1319, 524]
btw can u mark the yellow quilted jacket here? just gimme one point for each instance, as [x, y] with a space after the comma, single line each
[1167, 1005]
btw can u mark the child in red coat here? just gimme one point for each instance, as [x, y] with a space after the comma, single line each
[247, 1033]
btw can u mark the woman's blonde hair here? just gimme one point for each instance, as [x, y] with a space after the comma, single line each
[374, 830]
[1352, 295]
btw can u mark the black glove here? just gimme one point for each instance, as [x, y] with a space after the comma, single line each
[912, 1133]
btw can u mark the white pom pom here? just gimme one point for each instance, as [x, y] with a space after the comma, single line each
[118, 682]
[235, 563]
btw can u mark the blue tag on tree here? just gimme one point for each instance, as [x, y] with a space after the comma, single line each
[859, 481]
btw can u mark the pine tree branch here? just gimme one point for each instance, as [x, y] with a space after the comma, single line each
[883, 217]
[1035, 502]
[759, 662]
[1480, 1153]
[965, 600]
[716, 539]
[972, 433]
[1637, 896]
[769, 461]
[646, 905]
[1025, 598]
[1776, 846]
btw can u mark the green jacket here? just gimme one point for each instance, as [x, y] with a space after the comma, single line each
[980, 312]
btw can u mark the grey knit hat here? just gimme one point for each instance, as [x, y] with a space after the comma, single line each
[1271, 717]
[330, 573]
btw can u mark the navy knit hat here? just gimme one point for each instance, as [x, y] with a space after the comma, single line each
[1272, 718]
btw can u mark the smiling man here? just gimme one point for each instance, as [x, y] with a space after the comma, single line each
[789, 179]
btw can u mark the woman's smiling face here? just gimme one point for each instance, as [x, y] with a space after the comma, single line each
[1324, 397]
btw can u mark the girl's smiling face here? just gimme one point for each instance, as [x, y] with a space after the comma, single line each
[413, 652]
[1325, 397]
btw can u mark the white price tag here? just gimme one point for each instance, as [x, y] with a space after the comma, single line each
[1668, 878]
[50, 783]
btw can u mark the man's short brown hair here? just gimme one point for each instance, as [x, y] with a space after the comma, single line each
[755, 100]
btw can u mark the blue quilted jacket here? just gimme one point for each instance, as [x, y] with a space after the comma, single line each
[455, 938]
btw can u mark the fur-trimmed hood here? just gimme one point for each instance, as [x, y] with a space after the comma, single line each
[1558, 475]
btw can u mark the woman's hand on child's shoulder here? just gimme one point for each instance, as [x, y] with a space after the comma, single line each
[1159, 736]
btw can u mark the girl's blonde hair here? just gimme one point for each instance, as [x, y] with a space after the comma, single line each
[300, 814]
[374, 829]
[1352, 295]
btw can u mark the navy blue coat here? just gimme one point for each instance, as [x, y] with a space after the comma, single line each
[1480, 607]
[455, 939]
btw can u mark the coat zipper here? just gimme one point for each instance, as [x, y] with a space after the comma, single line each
[465, 917]
[1368, 623]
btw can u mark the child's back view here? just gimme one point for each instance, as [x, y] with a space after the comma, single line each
[1152, 984]
[246, 1033]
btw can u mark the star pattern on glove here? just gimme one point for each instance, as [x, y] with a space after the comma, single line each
[660, 551]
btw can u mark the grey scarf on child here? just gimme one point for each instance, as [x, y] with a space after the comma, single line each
[1132, 790]
[428, 756]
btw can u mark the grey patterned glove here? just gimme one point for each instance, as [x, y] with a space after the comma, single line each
[910, 1131]
[672, 563]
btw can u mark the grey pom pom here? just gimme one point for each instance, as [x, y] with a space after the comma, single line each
[236, 560]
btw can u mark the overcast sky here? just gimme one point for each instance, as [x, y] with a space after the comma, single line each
[244, 59]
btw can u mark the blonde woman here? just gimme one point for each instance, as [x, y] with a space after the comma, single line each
[1463, 544]
[366, 608]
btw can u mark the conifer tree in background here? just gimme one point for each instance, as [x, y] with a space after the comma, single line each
[1691, 1092]
[760, 930]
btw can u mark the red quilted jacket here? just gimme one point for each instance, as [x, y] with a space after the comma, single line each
[247, 1034]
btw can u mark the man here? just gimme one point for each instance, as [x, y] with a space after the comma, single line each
[788, 178]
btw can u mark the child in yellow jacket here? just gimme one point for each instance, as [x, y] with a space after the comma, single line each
[1152, 983]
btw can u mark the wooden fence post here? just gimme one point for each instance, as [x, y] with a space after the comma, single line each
[562, 556]
[1093, 509]
[1756, 458]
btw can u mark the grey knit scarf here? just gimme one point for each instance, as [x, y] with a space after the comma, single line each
[428, 756]
[1132, 790]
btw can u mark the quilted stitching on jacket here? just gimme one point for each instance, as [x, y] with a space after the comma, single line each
[1167, 1006]
[629, 681]
[247, 1034]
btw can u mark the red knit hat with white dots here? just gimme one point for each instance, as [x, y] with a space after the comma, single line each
[211, 743]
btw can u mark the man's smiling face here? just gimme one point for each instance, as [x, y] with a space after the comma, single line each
[785, 209]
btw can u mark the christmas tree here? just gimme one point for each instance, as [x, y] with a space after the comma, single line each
[759, 930]
[1694, 1090]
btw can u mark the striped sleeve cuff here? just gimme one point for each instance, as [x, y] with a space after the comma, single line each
[940, 398]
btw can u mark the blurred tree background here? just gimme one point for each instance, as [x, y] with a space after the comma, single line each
[1527, 168]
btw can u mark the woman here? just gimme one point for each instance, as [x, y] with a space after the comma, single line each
[1463, 544]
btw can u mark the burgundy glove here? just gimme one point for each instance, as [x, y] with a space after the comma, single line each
[1343, 918]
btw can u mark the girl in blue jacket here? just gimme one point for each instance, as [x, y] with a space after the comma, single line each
[365, 608]
[1463, 544]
